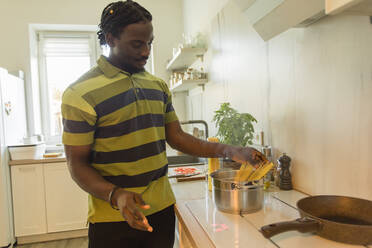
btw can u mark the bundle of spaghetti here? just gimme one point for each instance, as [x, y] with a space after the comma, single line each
[248, 173]
[260, 172]
[244, 172]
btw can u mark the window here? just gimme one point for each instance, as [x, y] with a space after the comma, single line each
[63, 58]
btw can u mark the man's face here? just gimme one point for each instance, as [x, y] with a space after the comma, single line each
[133, 46]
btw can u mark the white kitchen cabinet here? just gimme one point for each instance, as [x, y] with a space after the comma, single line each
[272, 17]
[46, 199]
[66, 203]
[28, 199]
[352, 7]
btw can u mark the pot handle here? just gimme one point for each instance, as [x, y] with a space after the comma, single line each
[303, 225]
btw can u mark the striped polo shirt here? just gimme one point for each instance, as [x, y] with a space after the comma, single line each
[123, 117]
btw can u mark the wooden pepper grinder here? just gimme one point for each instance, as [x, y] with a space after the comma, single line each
[285, 177]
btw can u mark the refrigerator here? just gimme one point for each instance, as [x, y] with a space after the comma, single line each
[13, 128]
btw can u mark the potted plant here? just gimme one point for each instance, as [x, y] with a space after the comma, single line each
[234, 128]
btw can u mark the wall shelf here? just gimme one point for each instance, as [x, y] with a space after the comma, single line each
[185, 85]
[184, 58]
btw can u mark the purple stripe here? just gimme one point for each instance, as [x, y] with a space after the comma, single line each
[169, 108]
[123, 99]
[77, 126]
[130, 155]
[140, 180]
[129, 126]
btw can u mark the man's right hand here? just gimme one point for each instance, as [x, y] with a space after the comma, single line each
[128, 203]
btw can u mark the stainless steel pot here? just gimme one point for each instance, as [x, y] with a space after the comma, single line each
[235, 197]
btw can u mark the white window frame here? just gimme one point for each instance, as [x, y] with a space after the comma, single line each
[44, 97]
[43, 85]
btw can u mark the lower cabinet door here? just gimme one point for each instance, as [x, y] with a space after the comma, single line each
[66, 202]
[28, 199]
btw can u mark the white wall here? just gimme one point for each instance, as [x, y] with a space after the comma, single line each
[310, 89]
[197, 14]
[15, 17]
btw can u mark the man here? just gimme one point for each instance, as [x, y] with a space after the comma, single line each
[117, 118]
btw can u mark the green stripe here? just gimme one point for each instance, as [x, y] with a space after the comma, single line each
[147, 77]
[72, 98]
[99, 95]
[92, 73]
[148, 84]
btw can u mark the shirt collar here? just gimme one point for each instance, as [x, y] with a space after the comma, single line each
[107, 68]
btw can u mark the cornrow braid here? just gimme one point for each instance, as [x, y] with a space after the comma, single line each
[118, 15]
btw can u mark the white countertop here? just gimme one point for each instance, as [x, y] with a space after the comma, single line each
[62, 158]
[209, 227]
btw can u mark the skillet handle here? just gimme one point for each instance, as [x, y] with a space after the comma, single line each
[303, 225]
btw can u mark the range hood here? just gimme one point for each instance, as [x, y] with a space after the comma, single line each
[272, 17]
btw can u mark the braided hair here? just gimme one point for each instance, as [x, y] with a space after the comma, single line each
[118, 15]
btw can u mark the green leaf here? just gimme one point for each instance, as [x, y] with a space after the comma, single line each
[233, 128]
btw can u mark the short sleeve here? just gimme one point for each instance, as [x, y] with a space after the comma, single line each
[170, 113]
[79, 119]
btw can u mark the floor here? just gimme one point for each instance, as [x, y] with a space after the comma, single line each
[67, 243]
[70, 243]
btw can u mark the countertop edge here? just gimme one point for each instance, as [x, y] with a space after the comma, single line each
[197, 237]
[37, 161]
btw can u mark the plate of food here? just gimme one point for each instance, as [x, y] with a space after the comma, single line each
[185, 171]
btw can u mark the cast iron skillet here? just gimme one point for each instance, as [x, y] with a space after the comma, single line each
[338, 218]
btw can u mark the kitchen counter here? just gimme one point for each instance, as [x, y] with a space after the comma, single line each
[205, 226]
[40, 160]
[62, 158]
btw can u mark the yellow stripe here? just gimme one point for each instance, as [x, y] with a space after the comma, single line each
[73, 114]
[132, 168]
[131, 111]
[130, 140]
[170, 117]
[78, 139]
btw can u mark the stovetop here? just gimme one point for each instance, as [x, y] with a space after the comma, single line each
[226, 230]
[231, 230]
